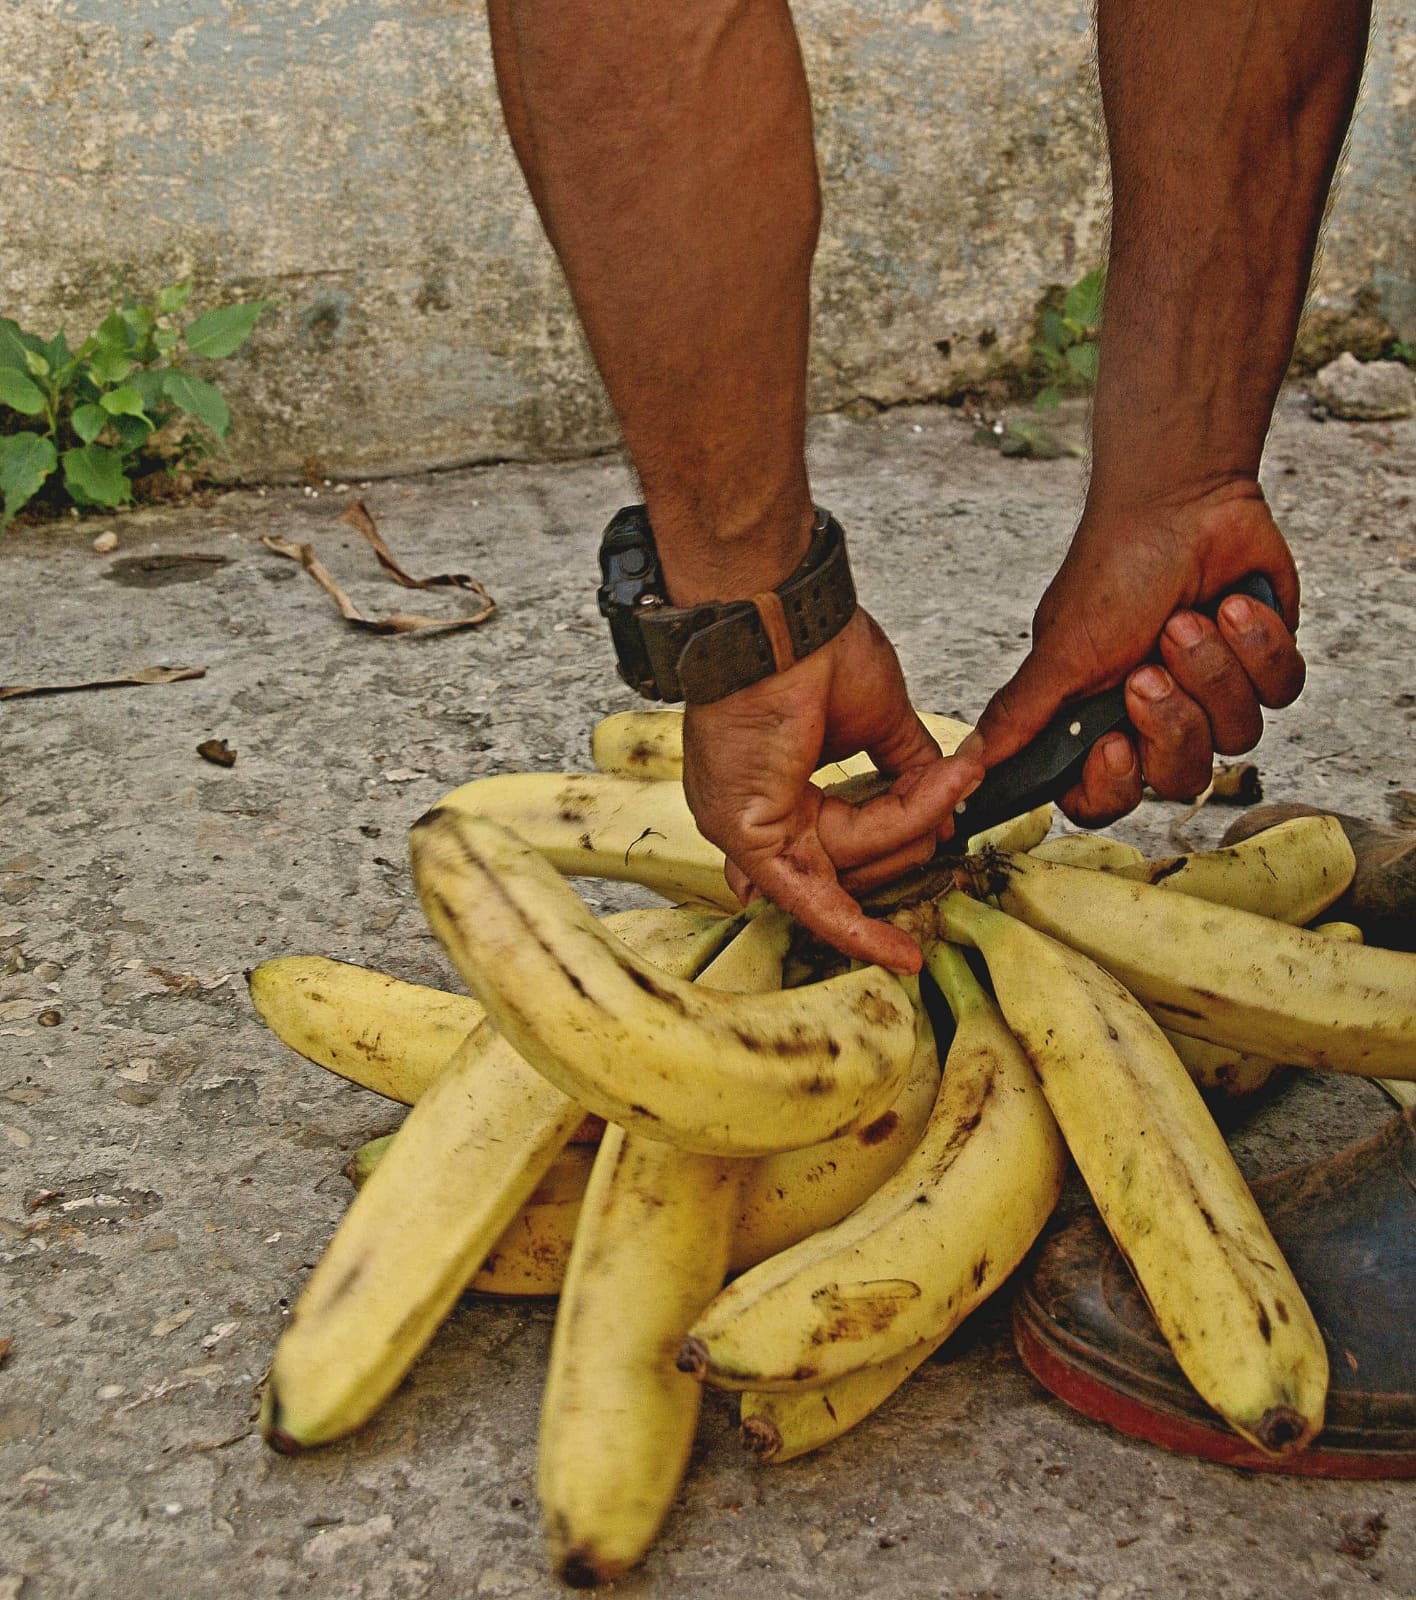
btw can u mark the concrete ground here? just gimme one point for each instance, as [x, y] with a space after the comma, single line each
[171, 1172]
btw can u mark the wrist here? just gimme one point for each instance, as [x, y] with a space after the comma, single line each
[1174, 488]
[731, 556]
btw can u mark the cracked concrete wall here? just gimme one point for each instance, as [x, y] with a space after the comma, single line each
[346, 160]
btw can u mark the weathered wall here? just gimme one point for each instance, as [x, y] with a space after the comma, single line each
[345, 158]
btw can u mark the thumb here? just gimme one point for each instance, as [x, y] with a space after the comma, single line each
[906, 746]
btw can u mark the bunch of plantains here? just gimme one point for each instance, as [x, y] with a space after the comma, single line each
[779, 1121]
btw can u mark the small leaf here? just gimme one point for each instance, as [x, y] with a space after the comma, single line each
[1049, 399]
[165, 338]
[1084, 299]
[36, 363]
[1082, 358]
[149, 386]
[57, 351]
[17, 392]
[198, 399]
[94, 476]
[89, 421]
[139, 319]
[173, 298]
[26, 460]
[14, 341]
[113, 334]
[223, 331]
[1054, 330]
[131, 431]
[110, 366]
[122, 402]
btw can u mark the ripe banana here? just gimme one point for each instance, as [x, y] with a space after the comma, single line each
[462, 1165]
[785, 1197]
[1237, 1074]
[740, 1076]
[1092, 850]
[1291, 873]
[617, 1419]
[650, 1250]
[530, 1257]
[649, 744]
[788, 1197]
[591, 824]
[639, 744]
[1216, 1069]
[782, 1425]
[390, 1036]
[933, 1241]
[1162, 1177]
[395, 1037]
[1224, 975]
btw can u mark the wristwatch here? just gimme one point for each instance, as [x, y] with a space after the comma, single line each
[704, 653]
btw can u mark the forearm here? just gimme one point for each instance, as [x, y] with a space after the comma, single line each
[1224, 123]
[669, 150]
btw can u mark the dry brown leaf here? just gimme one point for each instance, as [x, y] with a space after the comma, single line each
[143, 675]
[6, 1345]
[218, 752]
[357, 516]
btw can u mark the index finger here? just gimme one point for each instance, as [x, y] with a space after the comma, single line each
[804, 884]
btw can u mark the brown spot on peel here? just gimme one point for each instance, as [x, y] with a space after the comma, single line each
[879, 1130]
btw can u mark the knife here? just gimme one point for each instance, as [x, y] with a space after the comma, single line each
[1052, 763]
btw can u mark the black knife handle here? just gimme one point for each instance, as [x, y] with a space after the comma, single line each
[1052, 763]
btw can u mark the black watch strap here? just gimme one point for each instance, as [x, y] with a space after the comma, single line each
[704, 653]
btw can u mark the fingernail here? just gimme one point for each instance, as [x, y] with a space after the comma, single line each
[1239, 611]
[1184, 628]
[1117, 757]
[1151, 683]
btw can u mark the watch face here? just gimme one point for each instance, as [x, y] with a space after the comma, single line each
[629, 568]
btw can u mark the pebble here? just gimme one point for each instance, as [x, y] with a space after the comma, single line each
[105, 544]
[1365, 391]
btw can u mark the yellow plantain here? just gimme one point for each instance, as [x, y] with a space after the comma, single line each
[469, 1155]
[788, 1197]
[741, 1075]
[1162, 1178]
[1092, 850]
[1291, 873]
[649, 744]
[597, 825]
[395, 1037]
[784, 1197]
[933, 1242]
[1237, 1074]
[783, 1424]
[617, 1419]
[1228, 976]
